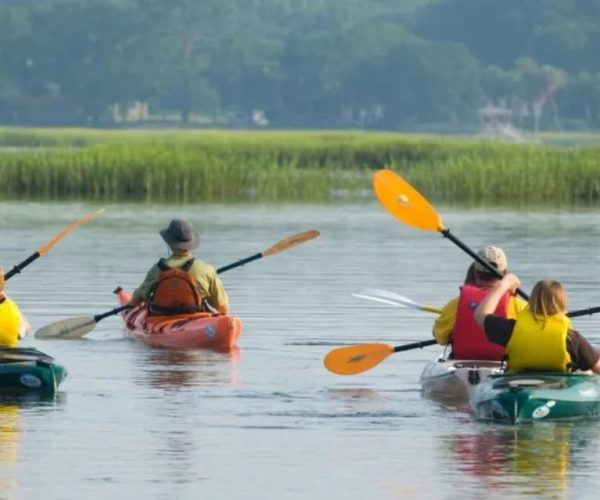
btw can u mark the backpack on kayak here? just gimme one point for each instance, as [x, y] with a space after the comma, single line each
[175, 291]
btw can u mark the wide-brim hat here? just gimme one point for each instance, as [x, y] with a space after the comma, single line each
[180, 235]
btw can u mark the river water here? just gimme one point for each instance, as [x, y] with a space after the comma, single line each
[268, 421]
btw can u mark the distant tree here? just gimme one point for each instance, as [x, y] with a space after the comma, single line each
[416, 81]
[86, 66]
[181, 37]
[537, 85]
[582, 98]
[529, 89]
[563, 33]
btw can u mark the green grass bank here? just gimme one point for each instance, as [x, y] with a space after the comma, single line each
[201, 165]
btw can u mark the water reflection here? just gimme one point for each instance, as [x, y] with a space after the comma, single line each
[9, 446]
[533, 459]
[453, 400]
[176, 369]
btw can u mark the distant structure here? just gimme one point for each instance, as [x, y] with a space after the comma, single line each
[496, 123]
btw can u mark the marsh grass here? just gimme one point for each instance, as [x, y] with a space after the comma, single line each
[188, 166]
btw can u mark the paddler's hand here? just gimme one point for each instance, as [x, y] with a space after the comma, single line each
[134, 302]
[510, 282]
[2, 295]
[488, 305]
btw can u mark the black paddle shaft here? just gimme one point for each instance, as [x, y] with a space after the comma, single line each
[19, 267]
[483, 262]
[492, 269]
[415, 345]
[239, 263]
[116, 310]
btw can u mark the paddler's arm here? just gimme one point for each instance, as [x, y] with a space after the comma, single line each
[583, 355]
[218, 296]
[509, 283]
[24, 326]
[142, 292]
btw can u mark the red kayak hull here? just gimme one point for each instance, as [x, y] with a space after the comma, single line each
[189, 331]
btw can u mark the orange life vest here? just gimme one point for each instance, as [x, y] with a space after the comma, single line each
[468, 340]
[175, 291]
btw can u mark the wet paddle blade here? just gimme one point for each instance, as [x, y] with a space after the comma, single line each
[356, 358]
[404, 202]
[70, 329]
[394, 299]
[290, 241]
[364, 295]
[86, 218]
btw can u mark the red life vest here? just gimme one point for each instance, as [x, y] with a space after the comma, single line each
[468, 340]
[175, 291]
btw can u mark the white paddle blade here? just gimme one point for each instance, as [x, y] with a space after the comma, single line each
[390, 298]
[70, 329]
[377, 299]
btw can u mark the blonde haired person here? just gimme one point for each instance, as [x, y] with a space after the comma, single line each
[13, 325]
[541, 337]
[456, 325]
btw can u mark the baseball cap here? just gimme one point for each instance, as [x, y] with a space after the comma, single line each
[495, 256]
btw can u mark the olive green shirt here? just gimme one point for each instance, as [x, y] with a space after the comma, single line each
[208, 283]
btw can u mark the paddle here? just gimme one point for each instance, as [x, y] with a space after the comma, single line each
[359, 358]
[48, 246]
[405, 203]
[394, 299]
[354, 359]
[280, 246]
[77, 327]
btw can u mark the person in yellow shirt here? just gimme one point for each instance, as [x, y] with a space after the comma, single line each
[541, 336]
[456, 324]
[13, 325]
[181, 284]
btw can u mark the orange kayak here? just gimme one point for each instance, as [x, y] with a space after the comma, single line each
[183, 331]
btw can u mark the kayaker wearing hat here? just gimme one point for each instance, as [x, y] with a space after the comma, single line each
[456, 324]
[181, 284]
[541, 337]
[13, 325]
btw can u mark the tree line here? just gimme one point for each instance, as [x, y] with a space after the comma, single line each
[380, 64]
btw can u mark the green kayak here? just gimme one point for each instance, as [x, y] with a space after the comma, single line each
[530, 397]
[25, 370]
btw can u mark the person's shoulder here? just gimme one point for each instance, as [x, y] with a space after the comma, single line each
[451, 304]
[519, 303]
[9, 303]
[203, 267]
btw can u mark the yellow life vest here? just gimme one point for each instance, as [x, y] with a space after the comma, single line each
[10, 323]
[539, 345]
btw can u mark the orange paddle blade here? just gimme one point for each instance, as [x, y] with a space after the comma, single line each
[290, 241]
[69, 229]
[356, 358]
[404, 202]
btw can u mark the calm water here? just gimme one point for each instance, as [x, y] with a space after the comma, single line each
[268, 421]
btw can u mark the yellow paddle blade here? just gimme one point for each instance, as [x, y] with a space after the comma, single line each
[69, 229]
[404, 202]
[356, 358]
[290, 241]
